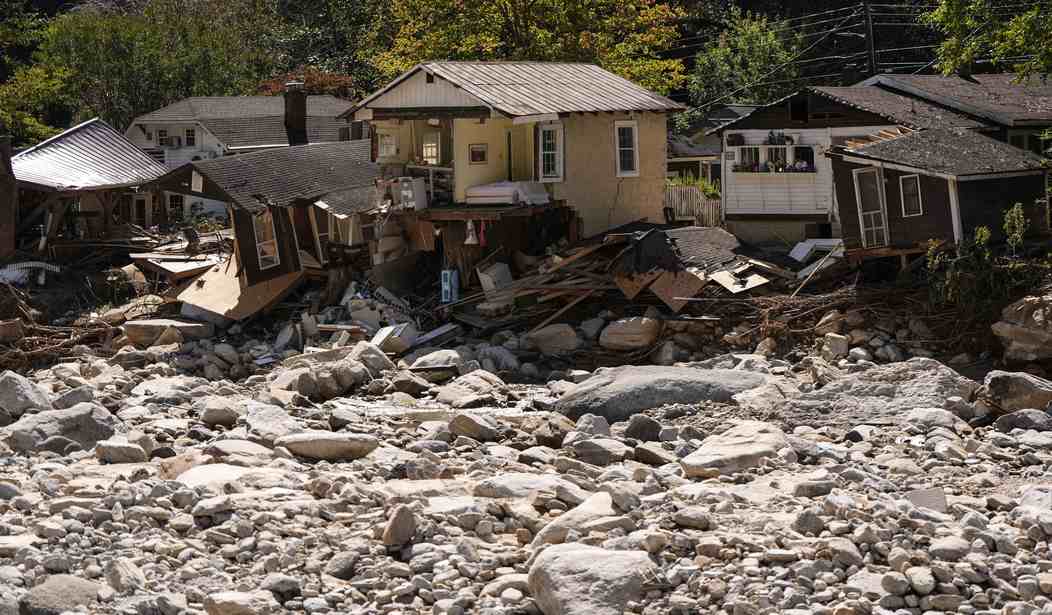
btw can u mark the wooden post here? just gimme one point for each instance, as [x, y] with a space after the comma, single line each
[8, 200]
[55, 213]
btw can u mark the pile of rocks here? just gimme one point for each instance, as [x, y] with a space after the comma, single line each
[852, 337]
[347, 483]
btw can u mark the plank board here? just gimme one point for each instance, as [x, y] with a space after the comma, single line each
[219, 291]
[633, 285]
[738, 283]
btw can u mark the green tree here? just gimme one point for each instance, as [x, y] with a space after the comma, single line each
[980, 29]
[623, 36]
[34, 103]
[750, 62]
[122, 63]
[1015, 226]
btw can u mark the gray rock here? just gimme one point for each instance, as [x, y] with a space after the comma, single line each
[267, 423]
[59, 593]
[241, 603]
[84, 424]
[372, 357]
[469, 387]
[643, 428]
[921, 579]
[18, 396]
[576, 579]
[554, 339]
[124, 576]
[80, 395]
[597, 506]
[949, 548]
[216, 410]
[635, 333]
[600, 451]
[474, 425]
[1025, 329]
[342, 565]
[1011, 391]
[119, 450]
[1038, 420]
[618, 393]
[328, 445]
[744, 446]
[401, 526]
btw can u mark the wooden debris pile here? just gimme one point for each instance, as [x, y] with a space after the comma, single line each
[25, 343]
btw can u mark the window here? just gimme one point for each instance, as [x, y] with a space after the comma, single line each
[191, 137]
[345, 133]
[551, 150]
[478, 153]
[323, 225]
[909, 186]
[162, 136]
[266, 240]
[430, 78]
[749, 159]
[386, 144]
[149, 136]
[777, 157]
[432, 147]
[627, 134]
[175, 208]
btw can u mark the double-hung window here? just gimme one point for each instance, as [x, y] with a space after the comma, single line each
[162, 137]
[432, 147]
[551, 153]
[266, 240]
[627, 138]
[910, 188]
[191, 137]
[386, 144]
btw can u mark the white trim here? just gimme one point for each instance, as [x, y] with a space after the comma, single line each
[634, 125]
[380, 133]
[902, 196]
[560, 152]
[437, 132]
[908, 169]
[880, 197]
[313, 214]
[967, 178]
[255, 236]
[955, 212]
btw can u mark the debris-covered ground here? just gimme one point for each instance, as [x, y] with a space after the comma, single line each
[739, 484]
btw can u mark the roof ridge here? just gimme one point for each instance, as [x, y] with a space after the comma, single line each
[63, 134]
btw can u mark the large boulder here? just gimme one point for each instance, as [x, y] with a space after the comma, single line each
[84, 424]
[554, 339]
[18, 396]
[329, 445]
[241, 603]
[877, 396]
[1007, 392]
[744, 446]
[266, 423]
[634, 333]
[372, 357]
[597, 506]
[577, 579]
[59, 593]
[1025, 329]
[619, 392]
[469, 388]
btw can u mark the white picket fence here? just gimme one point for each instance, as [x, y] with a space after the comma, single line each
[690, 203]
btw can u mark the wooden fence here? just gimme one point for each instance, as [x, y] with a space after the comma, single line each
[689, 203]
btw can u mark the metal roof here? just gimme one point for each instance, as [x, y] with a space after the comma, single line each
[534, 88]
[89, 156]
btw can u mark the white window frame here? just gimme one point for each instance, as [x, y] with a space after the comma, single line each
[380, 134]
[740, 155]
[424, 143]
[162, 136]
[902, 196]
[269, 216]
[190, 137]
[560, 153]
[634, 125]
[883, 205]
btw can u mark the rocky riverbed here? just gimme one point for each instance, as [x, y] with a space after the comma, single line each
[341, 482]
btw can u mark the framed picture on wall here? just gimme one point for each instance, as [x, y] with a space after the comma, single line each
[478, 153]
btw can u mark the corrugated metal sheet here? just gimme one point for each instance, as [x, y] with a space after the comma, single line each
[89, 156]
[532, 88]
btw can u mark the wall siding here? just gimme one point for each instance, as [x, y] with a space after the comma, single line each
[984, 202]
[246, 246]
[417, 92]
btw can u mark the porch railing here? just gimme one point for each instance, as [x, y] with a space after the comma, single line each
[439, 182]
[690, 203]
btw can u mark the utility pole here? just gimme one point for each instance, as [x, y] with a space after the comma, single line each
[871, 44]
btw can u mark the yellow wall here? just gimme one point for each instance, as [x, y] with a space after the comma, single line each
[467, 132]
[405, 138]
[591, 185]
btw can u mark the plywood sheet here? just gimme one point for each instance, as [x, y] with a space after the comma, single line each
[633, 285]
[673, 284]
[738, 283]
[219, 291]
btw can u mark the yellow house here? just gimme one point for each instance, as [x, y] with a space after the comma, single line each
[595, 141]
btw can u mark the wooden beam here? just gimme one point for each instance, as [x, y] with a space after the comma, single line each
[561, 311]
[424, 113]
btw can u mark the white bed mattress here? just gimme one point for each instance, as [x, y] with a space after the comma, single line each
[505, 192]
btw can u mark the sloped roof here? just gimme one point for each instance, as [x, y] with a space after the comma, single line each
[905, 110]
[245, 132]
[234, 107]
[89, 156]
[957, 152]
[996, 97]
[283, 176]
[353, 201]
[533, 88]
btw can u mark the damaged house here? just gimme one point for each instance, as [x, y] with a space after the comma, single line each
[282, 228]
[208, 127]
[81, 189]
[500, 133]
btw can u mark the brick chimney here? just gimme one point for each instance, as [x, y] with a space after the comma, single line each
[296, 113]
[8, 200]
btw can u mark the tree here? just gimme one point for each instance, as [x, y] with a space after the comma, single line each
[623, 36]
[1015, 226]
[984, 29]
[125, 62]
[750, 62]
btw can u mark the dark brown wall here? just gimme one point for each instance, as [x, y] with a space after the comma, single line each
[935, 223]
[8, 200]
[777, 117]
[246, 245]
[983, 202]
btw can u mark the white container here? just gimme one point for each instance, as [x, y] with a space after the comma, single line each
[450, 285]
